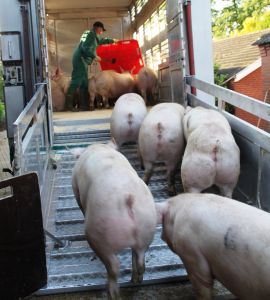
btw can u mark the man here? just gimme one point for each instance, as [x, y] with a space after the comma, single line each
[83, 56]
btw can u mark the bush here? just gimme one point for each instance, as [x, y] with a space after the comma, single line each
[2, 111]
[220, 79]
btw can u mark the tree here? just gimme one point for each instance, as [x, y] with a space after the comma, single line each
[240, 16]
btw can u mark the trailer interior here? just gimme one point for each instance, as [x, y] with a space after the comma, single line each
[42, 139]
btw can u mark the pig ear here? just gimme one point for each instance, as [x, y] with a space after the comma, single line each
[77, 152]
[132, 70]
[161, 209]
[113, 144]
[188, 109]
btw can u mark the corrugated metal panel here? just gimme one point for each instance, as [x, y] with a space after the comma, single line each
[76, 267]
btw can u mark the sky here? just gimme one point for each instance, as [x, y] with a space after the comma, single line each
[220, 4]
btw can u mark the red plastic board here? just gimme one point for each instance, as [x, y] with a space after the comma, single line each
[123, 55]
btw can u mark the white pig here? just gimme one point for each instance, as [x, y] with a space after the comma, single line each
[58, 97]
[127, 116]
[62, 81]
[217, 237]
[110, 84]
[118, 207]
[211, 155]
[161, 138]
[147, 83]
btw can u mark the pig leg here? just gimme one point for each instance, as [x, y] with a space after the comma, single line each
[149, 166]
[198, 269]
[171, 179]
[111, 264]
[138, 266]
[140, 159]
[106, 102]
[226, 190]
[92, 101]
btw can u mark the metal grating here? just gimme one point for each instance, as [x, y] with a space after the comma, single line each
[76, 267]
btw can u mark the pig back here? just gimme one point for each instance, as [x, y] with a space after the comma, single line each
[198, 116]
[112, 84]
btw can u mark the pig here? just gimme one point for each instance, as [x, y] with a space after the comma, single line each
[110, 84]
[161, 138]
[212, 156]
[118, 207]
[62, 81]
[127, 116]
[59, 87]
[58, 97]
[92, 91]
[219, 238]
[147, 83]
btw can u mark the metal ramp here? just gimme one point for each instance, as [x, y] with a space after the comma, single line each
[75, 267]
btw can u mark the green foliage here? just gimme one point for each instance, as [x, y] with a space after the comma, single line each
[240, 16]
[220, 79]
[2, 111]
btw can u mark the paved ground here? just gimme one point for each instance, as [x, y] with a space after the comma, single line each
[4, 161]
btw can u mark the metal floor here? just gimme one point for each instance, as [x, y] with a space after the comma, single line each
[75, 267]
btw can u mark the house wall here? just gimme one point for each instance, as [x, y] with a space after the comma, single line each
[265, 55]
[252, 86]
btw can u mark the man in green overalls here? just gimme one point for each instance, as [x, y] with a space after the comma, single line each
[83, 56]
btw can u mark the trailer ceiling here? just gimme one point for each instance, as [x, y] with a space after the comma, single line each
[86, 4]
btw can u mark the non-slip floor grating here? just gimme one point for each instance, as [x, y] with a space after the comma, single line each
[75, 267]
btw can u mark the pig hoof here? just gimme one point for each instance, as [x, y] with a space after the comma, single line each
[137, 279]
[92, 108]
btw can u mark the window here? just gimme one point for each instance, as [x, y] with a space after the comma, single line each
[141, 36]
[154, 24]
[156, 57]
[156, 49]
[164, 50]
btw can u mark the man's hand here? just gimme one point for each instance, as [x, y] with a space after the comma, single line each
[97, 59]
[115, 40]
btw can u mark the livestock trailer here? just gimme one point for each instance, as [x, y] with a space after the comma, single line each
[175, 39]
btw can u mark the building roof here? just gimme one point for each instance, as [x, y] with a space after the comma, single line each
[263, 40]
[248, 70]
[237, 52]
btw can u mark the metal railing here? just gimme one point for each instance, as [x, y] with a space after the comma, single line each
[31, 137]
[254, 143]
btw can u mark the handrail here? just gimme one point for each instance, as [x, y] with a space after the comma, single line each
[249, 104]
[25, 117]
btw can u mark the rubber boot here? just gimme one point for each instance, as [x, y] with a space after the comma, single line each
[69, 104]
[84, 100]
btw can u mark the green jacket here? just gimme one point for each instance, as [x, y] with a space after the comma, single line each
[88, 44]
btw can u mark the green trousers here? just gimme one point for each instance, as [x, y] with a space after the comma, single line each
[79, 79]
